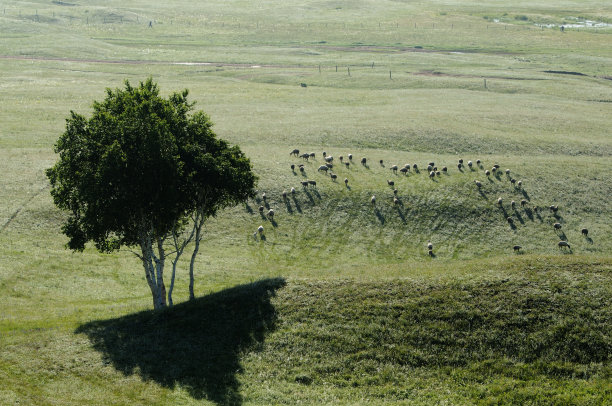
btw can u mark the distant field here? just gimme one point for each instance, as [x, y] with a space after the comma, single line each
[341, 303]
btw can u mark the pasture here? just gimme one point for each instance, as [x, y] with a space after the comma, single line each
[340, 302]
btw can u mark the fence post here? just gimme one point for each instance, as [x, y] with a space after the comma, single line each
[348, 68]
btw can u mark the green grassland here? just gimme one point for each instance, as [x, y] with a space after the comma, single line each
[339, 301]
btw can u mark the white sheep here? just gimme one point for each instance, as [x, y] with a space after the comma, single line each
[260, 229]
[292, 190]
[478, 184]
[394, 168]
[499, 201]
[373, 200]
[323, 168]
[350, 156]
[271, 213]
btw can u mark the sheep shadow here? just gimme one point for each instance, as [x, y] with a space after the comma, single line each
[461, 170]
[562, 235]
[288, 206]
[557, 216]
[482, 194]
[417, 171]
[263, 237]
[317, 194]
[525, 194]
[529, 213]
[248, 208]
[566, 251]
[589, 240]
[382, 164]
[400, 214]
[307, 193]
[489, 179]
[431, 254]
[196, 345]
[266, 205]
[379, 216]
[348, 187]
[294, 172]
[297, 205]
[537, 213]
[366, 166]
[519, 217]
[273, 222]
[303, 174]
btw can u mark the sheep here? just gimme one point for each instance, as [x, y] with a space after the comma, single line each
[523, 203]
[323, 168]
[562, 244]
[390, 182]
[301, 165]
[432, 174]
[350, 156]
[329, 158]
[312, 155]
[346, 181]
[260, 229]
[373, 200]
[554, 208]
[429, 245]
[305, 183]
[585, 232]
[459, 166]
[496, 166]
[512, 204]
[394, 169]
[478, 162]
[395, 192]
[461, 161]
[324, 154]
[305, 156]
[429, 168]
[487, 173]
[329, 165]
[347, 164]
[302, 169]
[404, 170]
[333, 176]
[271, 213]
[312, 183]
[499, 201]
[517, 248]
[508, 172]
[263, 196]
[510, 220]
[519, 184]
[293, 167]
[295, 152]
[470, 164]
[395, 201]
[381, 163]
[284, 195]
[431, 163]
[557, 226]
[493, 169]
[478, 184]
[261, 209]
[340, 158]
[437, 173]
[415, 167]
[363, 161]
[513, 181]
[435, 169]
[444, 169]
[430, 253]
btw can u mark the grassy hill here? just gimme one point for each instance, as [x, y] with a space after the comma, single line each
[339, 302]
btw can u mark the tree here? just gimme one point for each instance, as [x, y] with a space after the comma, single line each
[137, 172]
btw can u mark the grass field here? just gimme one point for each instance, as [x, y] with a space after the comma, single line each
[340, 302]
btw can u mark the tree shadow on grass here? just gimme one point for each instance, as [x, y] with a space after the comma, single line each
[196, 345]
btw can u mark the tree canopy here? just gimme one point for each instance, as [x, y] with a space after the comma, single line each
[138, 168]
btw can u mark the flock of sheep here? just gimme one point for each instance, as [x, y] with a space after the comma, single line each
[432, 170]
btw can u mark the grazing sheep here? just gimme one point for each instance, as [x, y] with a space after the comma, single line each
[329, 158]
[350, 157]
[363, 161]
[284, 195]
[499, 201]
[519, 184]
[333, 176]
[305, 183]
[293, 167]
[395, 192]
[470, 164]
[347, 164]
[312, 155]
[323, 168]
[295, 152]
[404, 170]
[395, 201]
[510, 221]
[305, 156]
[429, 168]
[329, 165]
[312, 183]
[478, 184]
[346, 181]
[263, 196]
[394, 169]
[437, 173]
[302, 169]
[478, 162]
[390, 182]
[554, 208]
[324, 154]
[557, 226]
[563, 244]
[585, 232]
[435, 169]
[444, 169]
[260, 229]
[341, 158]
[513, 181]
[507, 171]
[523, 203]
[459, 166]
[373, 200]
[431, 163]
[487, 173]
[493, 169]
[429, 246]
[517, 248]
[432, 174]
[415, 167]
[261, 209]
[271, 213]
[292, 190]
[461, 161]
[381, 162]
[513, 204]
[496, 166]
[536, 209]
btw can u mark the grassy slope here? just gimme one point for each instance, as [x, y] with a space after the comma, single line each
[364, 315]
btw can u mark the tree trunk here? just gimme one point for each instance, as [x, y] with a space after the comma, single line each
[196, 248]
[154, 270]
